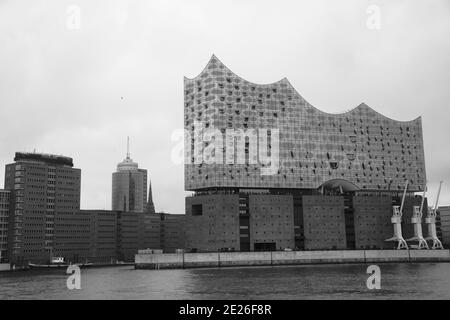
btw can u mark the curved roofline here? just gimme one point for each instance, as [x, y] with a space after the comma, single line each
[241, 78]
[361, 105]
[203, 70]
[285, 80]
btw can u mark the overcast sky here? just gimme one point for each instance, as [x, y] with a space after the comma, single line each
[61, 87]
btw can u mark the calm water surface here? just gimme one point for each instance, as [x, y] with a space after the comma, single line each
[398, 281]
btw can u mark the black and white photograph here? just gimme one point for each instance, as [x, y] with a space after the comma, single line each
[224, 155]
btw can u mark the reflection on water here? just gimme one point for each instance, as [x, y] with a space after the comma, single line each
[398, 281]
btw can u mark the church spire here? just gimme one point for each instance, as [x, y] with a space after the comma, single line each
[150, 205]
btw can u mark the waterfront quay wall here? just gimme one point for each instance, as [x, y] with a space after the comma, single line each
[230, 259]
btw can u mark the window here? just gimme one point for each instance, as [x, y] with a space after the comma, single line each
[333, 165]
[197, 209]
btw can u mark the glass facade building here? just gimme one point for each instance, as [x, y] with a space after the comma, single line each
[363, 147]
[269, 171]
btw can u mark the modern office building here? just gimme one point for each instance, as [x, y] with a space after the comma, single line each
[444, 215]
[40, 217]
[86, 236]
[136, 231]
[72, 237]
[129, 187]
[43, 188]
[103, 235]
[172, 232]
[5, 197]
[269, 171]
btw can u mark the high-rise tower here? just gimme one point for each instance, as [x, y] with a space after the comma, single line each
[44, 188]
[129, 186]
[5, 196]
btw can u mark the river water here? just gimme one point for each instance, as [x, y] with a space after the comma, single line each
[398, 281]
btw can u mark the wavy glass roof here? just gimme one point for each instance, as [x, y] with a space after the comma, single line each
[362, 146]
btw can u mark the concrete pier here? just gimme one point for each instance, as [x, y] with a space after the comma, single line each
[5, 267]
[230, 259]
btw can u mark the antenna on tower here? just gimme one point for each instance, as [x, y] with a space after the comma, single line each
[128, 147]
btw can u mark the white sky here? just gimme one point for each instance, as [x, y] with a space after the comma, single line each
[61, 89]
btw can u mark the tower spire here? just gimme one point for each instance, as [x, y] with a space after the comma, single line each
[128, 147]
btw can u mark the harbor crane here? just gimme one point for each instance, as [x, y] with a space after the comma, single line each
[431, 221]
[397, 222]
[416, 220]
